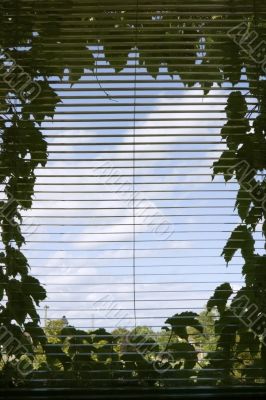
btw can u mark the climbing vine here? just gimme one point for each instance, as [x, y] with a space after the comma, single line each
[33, 42]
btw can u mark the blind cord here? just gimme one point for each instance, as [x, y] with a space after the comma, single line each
[134, 169]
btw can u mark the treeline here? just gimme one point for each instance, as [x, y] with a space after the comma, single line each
[178, 354]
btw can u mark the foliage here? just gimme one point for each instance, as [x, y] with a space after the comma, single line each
[241, 335]
[23, 148]
[124, 357]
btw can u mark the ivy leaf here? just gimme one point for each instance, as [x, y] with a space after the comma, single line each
[117, 53]
[36, 146]
[67, 332]
[253, 154]
[235, 133]
[259, 124]
[225, 165]
[44, 105]
[27, 191]
[254, 271]
[185, 351]
[101, 335]
[54, 352]
[142, 344]
[206, 75]
[220, 298]
[243, 203]
[180, 322]
[247, 341]
[242, 239]
[20, 344]
[226, 327]
[30, 308]
[232, 61]
[254, 216]
[31, 287]
[16, 262]
[15, 305]
[84, 59]
[36, 332]
[236, 105]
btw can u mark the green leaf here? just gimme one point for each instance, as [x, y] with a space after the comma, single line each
[54, 352]
[67, 332]
[31, 286]
[15, 342]
[142, 344]
[225, 165]
[16, 262]
[180, 322]
[247, 341]
[240, 239]
[236, 105]
[226, 327]
[185, 351]
[243, 203]
[254, 217]
[16, 304]
[44, 105]
[231, 63]
[36, 332]
[84, 59]
[206, 74]
[220, 298]
[259, 124]
[254, 271]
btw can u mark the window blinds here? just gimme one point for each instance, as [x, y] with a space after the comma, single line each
[127, 224]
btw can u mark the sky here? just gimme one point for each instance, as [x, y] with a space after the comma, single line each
[80, 232]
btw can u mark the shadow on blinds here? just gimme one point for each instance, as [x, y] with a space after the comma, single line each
[133, 198]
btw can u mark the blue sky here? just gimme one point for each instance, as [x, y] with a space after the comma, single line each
[85, 259]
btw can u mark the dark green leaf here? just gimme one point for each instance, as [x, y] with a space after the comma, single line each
[180, 323]
[220, 297]
[240, 239]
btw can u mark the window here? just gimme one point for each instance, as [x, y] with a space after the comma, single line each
[133, 196]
